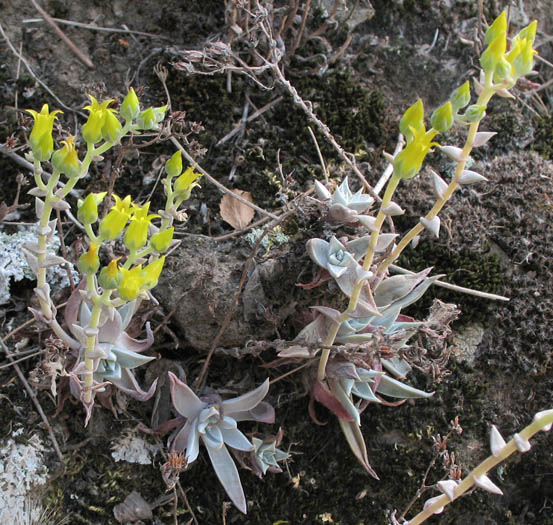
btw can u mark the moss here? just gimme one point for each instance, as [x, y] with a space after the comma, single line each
[478, 271]
[543, 142]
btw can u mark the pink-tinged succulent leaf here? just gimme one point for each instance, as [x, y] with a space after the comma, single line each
[448, 487]
[338, 388]
[110, 330]
[336, 368]
[397, 287]
[71, 312]
[429, 502]
[545, 416]
[129, 359]
[136, 345]
[322, 192]
[263, 413]
[182, 439]
[391, 387]
[485, 483]
[186, 402]
[366, 306]
[129, 385]
[358, 247]
[324, 396]
[246, 401]
[432, 225]
[313, 333]
[228, 476]
[355, 440]
[331, 313]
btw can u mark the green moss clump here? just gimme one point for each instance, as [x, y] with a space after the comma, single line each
[479, 271]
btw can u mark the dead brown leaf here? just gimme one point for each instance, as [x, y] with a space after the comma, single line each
[234, 212]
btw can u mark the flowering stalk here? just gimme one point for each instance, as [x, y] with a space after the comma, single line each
[478, 476]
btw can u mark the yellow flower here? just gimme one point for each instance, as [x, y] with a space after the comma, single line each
[186, 183]
[87, 211]
[130, 107]
[521, 54]
[66, 159]
[116, 220]
[42, 143]
[95, 127]
[110, 275]
[409, 161]
[89, 262]
[151, 273]
[131, 283]
[137, 232]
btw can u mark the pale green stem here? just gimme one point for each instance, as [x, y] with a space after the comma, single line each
[487, 93]
[540, 422]
[352, 305]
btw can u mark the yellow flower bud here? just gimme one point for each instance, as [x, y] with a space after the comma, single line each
[89, 262]
[116, 220]
[42, 143]
[111, 130]
[173, 167]
[442, 118]
[498, 27]
[66, 159]
[151, 273]
[494, 53]
[110, 275]
[130, 107]
[161, 241]
[151, 117]
[461, 96]
[131, 283]
[412, 119]
[87, 211]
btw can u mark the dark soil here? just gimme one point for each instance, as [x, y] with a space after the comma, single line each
[496, 237]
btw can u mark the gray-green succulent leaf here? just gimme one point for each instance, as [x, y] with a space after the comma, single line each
[214, 422]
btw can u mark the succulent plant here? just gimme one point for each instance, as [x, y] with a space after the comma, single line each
[214, 422]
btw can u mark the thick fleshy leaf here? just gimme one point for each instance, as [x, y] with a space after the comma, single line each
[397, 287]
[364, 391]
[522, 444]
[246, 401]
[453, 153]
[355, 440]
[331, 313]
[470, 177]
[482, 138]
[263, 413]
[448, 487]
[321, 191]
[439, 185]
[324, 396]
[136, 345]
[497, 443]
[228, 476]
[393, 388]
[129, 385]
[235, 439]
[432, 225]
[545, 416]
[186, 402]
[192, 442]
[213, 438]
[393, 210]
[182, 439]
[112, 372]
[384, 241]
[358, 247]
[337, 388]
[128, 359]
[485, 483]
[397, 366]
[368, 221]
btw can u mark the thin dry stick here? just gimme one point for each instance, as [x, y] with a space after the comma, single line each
[12, 363]
[454, 287]
[252, 117]
[321, 160]
[203, 374]
[214, 181]
[48, 19]
[289, 373]
[96, 28]
[35, 402]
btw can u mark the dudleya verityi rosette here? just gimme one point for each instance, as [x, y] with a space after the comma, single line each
[214, 422]
[343, 205]
[116, 353]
